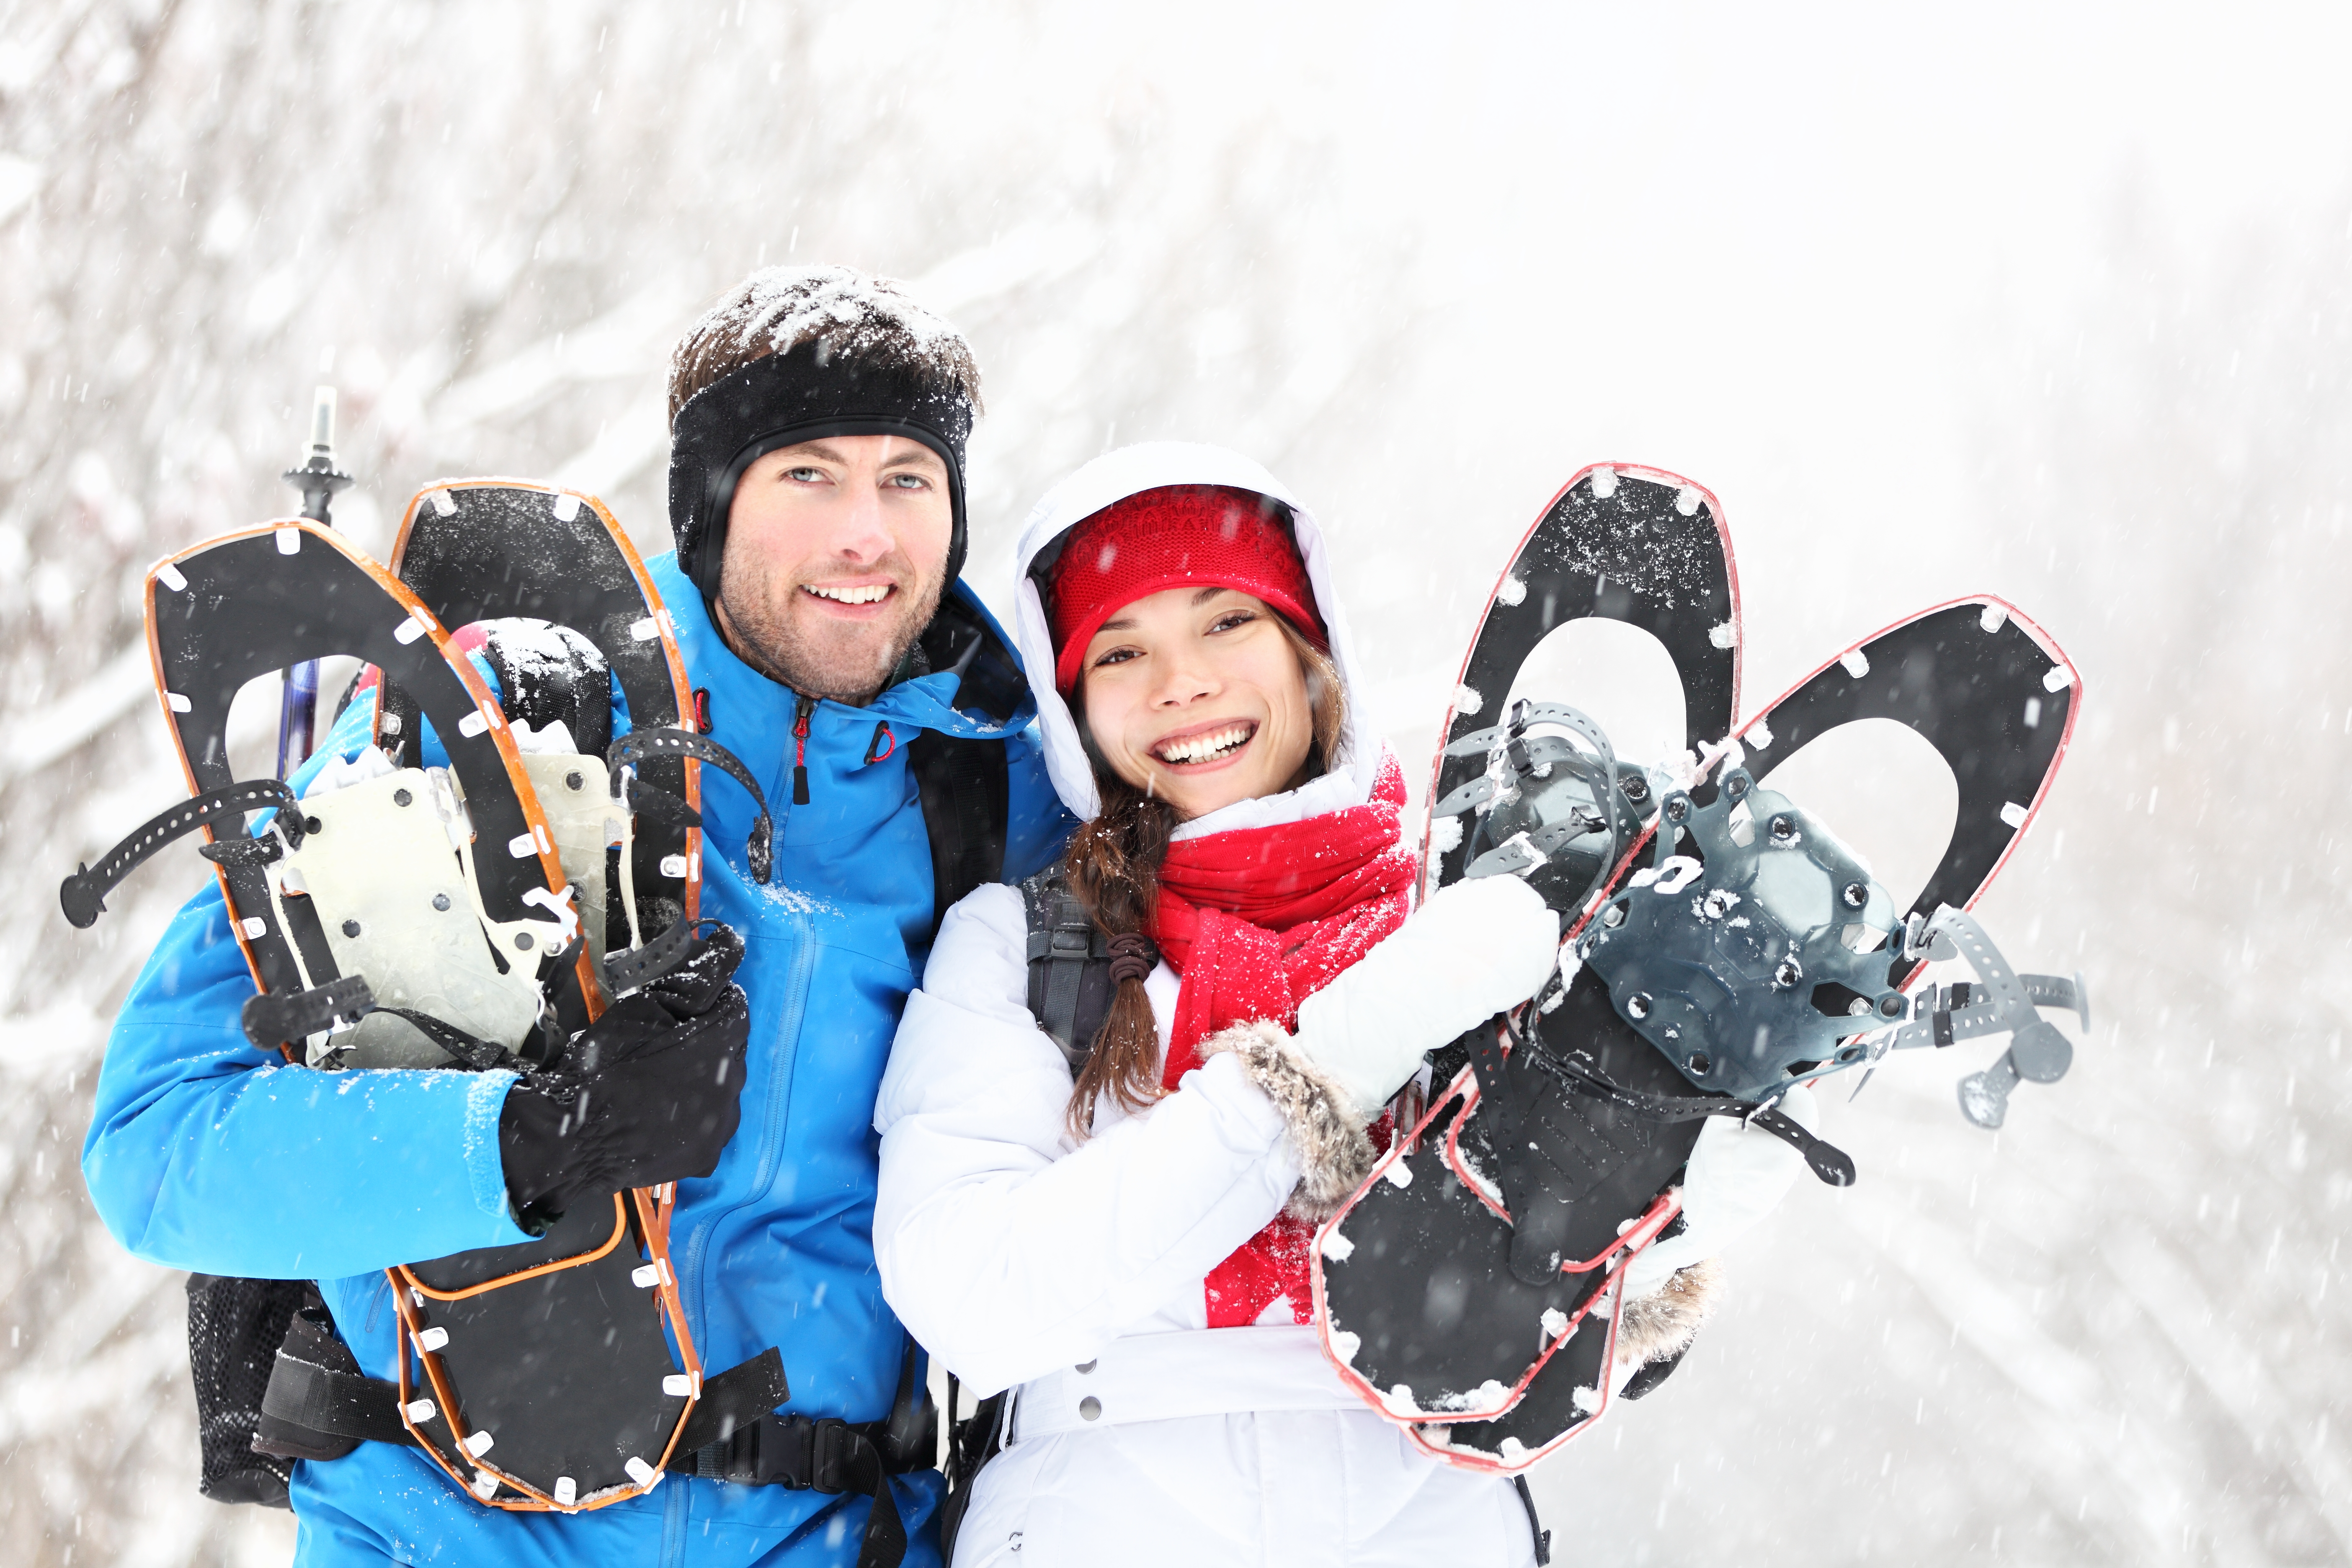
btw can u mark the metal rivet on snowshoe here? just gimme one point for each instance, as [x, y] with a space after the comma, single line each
[1698, 1064]
[522, 941]
[573, 780]
[401, 797]
[1849, 1055]
[1678, 808]
[351, 927]
[1891, 1006]
[312, 824]
[1856, 895]
[1736, 785]
[1638, 1004]
[1783, 829]
[1787, 974]
[441, 902]
[1613, 916]
[1636, 787]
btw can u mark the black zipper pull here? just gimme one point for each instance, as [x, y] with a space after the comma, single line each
[801, 712]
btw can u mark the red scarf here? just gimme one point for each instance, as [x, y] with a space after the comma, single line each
[1256, 920]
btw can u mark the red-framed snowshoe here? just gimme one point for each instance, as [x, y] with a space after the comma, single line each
[1492, 1341]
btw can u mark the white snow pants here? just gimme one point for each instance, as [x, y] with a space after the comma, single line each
[1287, 1489]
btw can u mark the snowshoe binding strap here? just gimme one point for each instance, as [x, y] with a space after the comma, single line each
[1543, 795]
[640, 744]
[1826, 1160]
[2000, 1001]
[273, 1019]
[625, 972]
[477, 1056]
[84, 893]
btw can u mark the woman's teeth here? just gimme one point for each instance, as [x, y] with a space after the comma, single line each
[873, 594]
[1205, 747]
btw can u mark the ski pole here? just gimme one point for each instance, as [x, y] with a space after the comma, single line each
[318, 479]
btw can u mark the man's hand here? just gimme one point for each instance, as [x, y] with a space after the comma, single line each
[646, 1094]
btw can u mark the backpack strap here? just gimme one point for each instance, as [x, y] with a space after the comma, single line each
[964, 784]
[965, 787]
[1069, 966]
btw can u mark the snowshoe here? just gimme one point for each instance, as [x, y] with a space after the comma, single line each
[424, 917]
[1468, 1289]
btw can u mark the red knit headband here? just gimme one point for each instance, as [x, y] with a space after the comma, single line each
[1168, 538]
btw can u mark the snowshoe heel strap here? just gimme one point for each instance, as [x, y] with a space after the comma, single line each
[657, 742]
[83, 894]
[1827, 1160]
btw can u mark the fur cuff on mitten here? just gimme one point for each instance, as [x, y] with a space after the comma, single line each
[1334, 1154]
[1661, 1325]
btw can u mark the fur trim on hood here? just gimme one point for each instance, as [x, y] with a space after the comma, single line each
[1114, 476]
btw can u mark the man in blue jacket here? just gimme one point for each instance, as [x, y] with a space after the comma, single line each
[819, 421]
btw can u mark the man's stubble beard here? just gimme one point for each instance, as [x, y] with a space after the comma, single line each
[764, 635]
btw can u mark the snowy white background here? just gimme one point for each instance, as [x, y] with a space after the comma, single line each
[2051, 301]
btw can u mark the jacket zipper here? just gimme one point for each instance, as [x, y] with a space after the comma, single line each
[801, 708]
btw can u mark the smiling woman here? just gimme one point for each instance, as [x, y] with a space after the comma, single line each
[1109, 1210]
[1194, 660]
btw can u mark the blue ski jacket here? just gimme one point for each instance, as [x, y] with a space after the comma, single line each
[205, 1153]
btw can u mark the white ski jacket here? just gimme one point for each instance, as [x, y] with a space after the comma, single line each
[1073, 1273]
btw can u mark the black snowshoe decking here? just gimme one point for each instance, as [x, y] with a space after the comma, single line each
[485, 549]
[1984, 685]
[1619, 543]
[1490, 1365]
[539, 1375]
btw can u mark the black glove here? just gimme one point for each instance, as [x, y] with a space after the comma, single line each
[646, 1094]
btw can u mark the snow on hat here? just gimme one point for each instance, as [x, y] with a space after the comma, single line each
[1168, 538]
[814, 352]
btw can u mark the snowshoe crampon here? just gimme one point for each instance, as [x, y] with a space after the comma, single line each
[1722, 944]
[431, 918]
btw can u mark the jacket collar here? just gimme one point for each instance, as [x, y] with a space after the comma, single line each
[962, 679]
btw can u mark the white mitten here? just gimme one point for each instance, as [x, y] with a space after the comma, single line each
[1475, 948]
[1737, 1173]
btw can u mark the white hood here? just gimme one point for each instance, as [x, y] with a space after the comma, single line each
[1114, 476]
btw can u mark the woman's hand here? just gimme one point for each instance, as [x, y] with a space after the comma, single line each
[1473, 950]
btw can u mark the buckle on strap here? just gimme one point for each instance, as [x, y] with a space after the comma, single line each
[795, 1452]
[834, 1452]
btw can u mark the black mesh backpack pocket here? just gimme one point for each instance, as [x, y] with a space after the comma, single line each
[235, 1327]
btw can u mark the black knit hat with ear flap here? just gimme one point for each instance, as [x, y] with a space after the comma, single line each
[812, 352]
